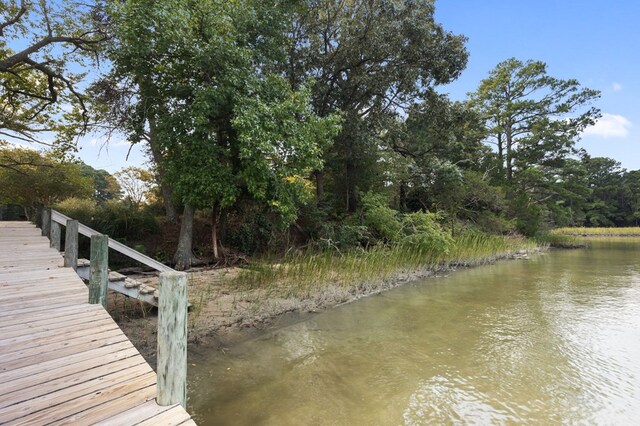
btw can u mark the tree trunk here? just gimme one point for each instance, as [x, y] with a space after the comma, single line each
[165, 187]
[509, 156]
[402, 201]
[215, 219]
[500, 156]
[184, 256]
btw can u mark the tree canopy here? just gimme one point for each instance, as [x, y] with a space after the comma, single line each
[43, 45]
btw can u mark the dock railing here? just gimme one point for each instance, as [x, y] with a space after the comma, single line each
[172, 302]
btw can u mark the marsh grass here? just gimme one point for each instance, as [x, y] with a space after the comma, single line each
[588, 232]
[560, 240]
[303, 273]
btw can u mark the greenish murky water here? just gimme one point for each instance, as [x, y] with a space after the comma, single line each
[555, 339]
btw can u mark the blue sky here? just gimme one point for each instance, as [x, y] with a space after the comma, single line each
[595, 42]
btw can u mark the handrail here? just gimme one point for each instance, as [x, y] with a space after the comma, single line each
[113, 244]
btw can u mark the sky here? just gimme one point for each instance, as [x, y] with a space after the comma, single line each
[595, 42]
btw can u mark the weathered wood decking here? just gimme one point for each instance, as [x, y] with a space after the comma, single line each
[62, 360]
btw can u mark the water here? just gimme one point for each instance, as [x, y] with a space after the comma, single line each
[555, 339]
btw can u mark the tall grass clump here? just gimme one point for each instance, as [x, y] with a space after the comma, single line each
[557, 240]
[300, 273]
[587, 232]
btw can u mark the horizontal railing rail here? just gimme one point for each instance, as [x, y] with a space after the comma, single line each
[113, 244]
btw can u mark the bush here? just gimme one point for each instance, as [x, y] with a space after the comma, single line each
[343, 236]
[124, 221]
[381, 220]
[422, 232]
[113, 217]
[82, 209]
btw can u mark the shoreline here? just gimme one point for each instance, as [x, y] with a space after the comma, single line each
[223, 316]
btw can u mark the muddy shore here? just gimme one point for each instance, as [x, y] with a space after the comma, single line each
[223, 314]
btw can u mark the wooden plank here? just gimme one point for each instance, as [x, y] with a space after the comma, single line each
[135, 414]
[7, 290]
[21, 318]
[63, 360]
[41, 325]
[78, 370]
[42, 294]
[96, 335]
[25, 310]
[31, 392]
[34, 344]
[174, 416]
[8, 342]
[70, 401]
[61, 364]
[5, 313]
[38, 273]
[18, 303]
[104, 410]
[36, 358]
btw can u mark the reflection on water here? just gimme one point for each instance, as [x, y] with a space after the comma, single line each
[552, 340]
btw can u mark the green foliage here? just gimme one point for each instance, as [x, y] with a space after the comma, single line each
[533, 118]
[370, 59]
[43, 45]
[106, 187]
[29, 178]
[381, 220]
[422, 233]
[82, 209]
[115, 218]
[226, 125]
[300, 272]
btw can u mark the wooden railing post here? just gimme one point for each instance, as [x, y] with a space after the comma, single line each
[172, 339]
[99, 278]
[71, 245]
[55, 235]
[46, 222]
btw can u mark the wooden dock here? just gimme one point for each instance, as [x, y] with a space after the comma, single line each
[62, 360]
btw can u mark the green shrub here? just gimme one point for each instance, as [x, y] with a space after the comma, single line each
[343, 236]
[422, 232]
[381, 220]
[124, 221]
[82, 209]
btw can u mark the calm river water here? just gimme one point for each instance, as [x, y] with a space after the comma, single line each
[549, 340]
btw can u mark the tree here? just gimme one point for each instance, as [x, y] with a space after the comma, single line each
[370, 59]
[224, 123]
[532, 118]
[136, 184]
[38, 85]
[106, 186]
[39, 178]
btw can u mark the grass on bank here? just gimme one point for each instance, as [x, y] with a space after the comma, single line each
[301, 273]
[588, 232]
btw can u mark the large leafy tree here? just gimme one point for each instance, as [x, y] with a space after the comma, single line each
[40, 178]
[370, 59]
[224, 125]
[532, 117]
[43, 44]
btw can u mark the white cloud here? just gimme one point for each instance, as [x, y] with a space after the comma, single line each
[610, 126]
[616, 87]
